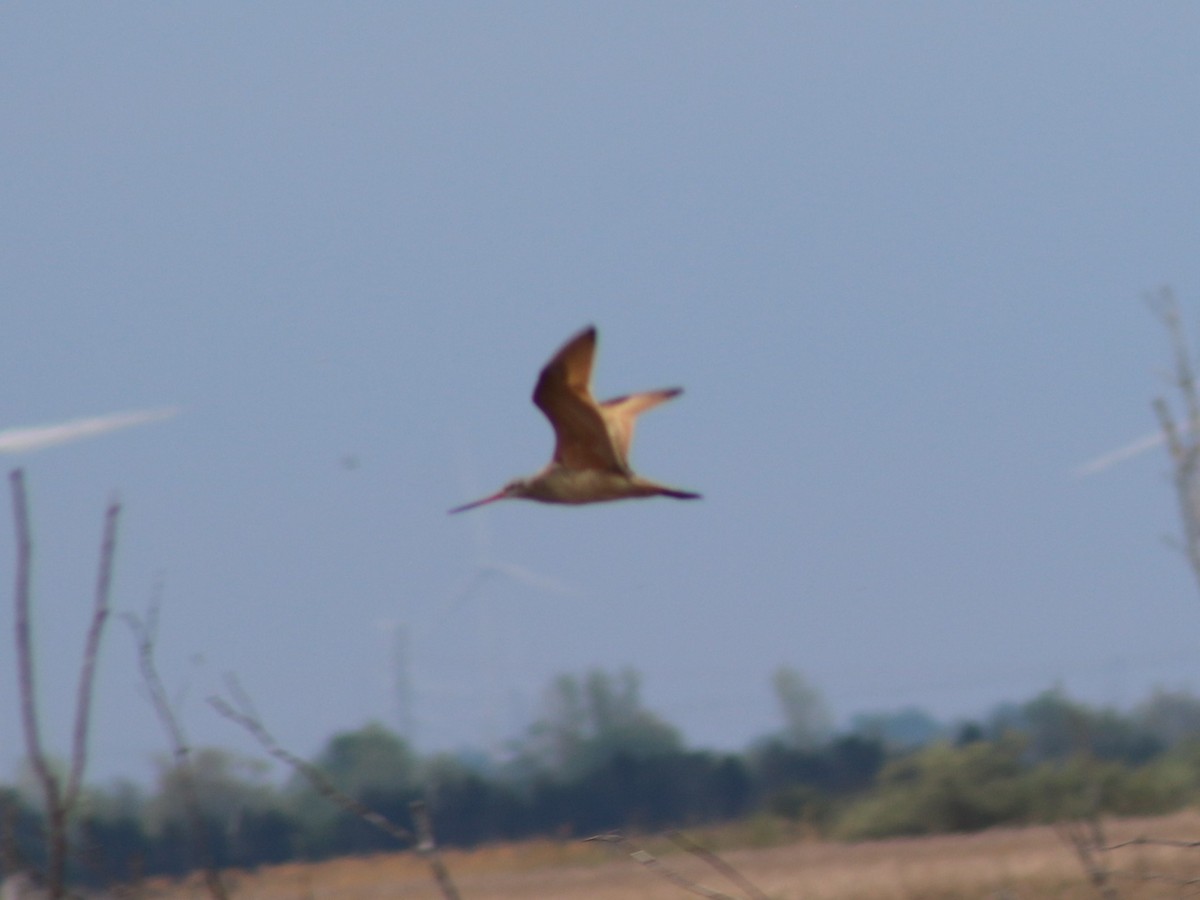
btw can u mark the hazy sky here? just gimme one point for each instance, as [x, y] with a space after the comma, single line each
[895, 253]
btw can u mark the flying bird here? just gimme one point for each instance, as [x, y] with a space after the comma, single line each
[591, 451]
[24, 440]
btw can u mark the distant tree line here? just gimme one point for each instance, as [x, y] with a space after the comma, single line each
[597, 760]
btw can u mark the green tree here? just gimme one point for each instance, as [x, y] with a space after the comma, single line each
[228, 787]
[112, 838]
[589, 721]
[369, 759]
[1058, 728]
[1173, 717]
[944, 788]
[904, 729]
[372, 765]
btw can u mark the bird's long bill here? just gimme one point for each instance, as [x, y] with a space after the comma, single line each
[499, 495]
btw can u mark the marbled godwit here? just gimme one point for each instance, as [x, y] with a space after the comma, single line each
[591, 451]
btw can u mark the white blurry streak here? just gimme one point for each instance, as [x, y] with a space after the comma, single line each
[1110, 459]
[36, 437]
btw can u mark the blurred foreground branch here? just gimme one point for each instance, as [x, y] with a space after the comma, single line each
[427, 847]
[1086, 838]
[685, 842]
[244, 714]
[1183, 441]
[145, 633]
[59, 798]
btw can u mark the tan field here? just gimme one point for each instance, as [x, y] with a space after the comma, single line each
[1001, 864]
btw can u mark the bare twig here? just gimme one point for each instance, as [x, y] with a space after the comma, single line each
[1147, 841]
[25, 674]
[1183, 442]
[91, 650]
[59, 802]
[244, 714]
[1086, 838]
[1167, 308]
[145, 633]
[1170, 430]
[1150, 841]
[659, 868]
[318, 779]
[427, 847]
[684, 842]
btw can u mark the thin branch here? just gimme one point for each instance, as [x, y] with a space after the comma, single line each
[25, 673]
[427, 847]
[1170, 430]
[59, 801]
[318, 779]
[1182, 439]
[1147, 841]
[87, 673]
[1167, 309]
[655, 865]
[55, 811]
[1086, 838]
[145, 634]
[684, 842]
[245, 715]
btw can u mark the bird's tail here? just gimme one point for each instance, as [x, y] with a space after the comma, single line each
[648, 488]
[678, 494]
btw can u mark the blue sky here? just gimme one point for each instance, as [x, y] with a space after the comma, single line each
[895, 253]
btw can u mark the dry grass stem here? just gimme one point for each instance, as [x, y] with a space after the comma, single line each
[1013, 863]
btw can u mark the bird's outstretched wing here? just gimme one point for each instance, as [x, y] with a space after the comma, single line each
[563, 393]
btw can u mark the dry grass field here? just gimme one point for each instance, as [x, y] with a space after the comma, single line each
[1001, 864]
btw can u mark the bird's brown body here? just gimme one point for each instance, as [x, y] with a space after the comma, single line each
[591, 452]
[556, 484]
